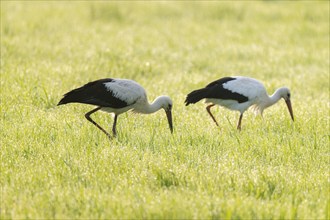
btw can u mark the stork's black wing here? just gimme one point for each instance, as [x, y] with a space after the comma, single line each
[94, 93]
[217, 91]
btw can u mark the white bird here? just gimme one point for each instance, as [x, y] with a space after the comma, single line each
[238, 93]
[117, 96]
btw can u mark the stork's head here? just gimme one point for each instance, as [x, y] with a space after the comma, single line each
[166, 104]
[286, 95]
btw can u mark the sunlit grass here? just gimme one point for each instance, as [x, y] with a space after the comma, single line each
[55, 164]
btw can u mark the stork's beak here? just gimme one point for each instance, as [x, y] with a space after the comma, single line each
[169, 119]
[288, 103]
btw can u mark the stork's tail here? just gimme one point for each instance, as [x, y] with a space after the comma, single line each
[76, 95]
[196, 96]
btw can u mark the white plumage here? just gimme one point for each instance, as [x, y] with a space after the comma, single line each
[117, 96]
[249, 87]
[239, 93]
[126, 90]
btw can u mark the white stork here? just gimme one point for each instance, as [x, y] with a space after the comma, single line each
[238, 93]
[117, 96]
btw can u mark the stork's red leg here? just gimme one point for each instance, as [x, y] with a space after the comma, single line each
[239, 122]
[87, 115]
[208, 109]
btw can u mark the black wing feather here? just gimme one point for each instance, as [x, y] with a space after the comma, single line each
[215, 90]
[94, 93]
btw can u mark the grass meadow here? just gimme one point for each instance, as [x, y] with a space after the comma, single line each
[56, 164]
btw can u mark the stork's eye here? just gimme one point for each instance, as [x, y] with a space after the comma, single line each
[289, 95]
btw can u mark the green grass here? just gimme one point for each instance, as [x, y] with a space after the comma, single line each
[55, 164]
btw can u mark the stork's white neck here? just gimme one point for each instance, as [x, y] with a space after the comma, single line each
[154, 106]
[157, 104]
[277, 95]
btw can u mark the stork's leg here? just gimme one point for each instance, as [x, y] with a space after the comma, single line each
[240, 121]
[87, 115]
[208, 109]
[114, 126]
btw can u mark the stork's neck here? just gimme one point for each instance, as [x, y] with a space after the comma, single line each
[153, 107]
[273, 98]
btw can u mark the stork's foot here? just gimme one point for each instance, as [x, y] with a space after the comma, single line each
[110, 137]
